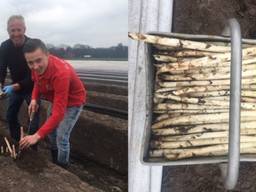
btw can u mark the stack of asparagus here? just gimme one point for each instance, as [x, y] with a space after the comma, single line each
[191, 98]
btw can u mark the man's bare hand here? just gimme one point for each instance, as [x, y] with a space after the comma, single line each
[29, 140]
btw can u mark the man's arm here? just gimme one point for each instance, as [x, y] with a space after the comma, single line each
[3, 66]
[10, 88]
[24, 83]
[3, 69]
[35, 91]
[60, 102]
[16, 86]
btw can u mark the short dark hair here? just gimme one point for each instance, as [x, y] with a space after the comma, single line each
[33, 44]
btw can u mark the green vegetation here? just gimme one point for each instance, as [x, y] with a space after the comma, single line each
[84, 52]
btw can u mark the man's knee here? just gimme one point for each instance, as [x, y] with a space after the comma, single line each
[63, 143]
[12, 114]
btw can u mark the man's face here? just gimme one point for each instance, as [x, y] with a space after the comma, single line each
[16, 30]
[37, 61]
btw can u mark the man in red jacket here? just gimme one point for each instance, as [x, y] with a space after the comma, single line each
[56, 81]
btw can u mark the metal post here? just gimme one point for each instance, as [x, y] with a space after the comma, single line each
[144, 16]
[234, 110]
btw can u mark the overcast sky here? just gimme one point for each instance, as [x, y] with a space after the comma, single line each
[98, 23]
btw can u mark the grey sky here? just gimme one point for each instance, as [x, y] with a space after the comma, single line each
[98, 23]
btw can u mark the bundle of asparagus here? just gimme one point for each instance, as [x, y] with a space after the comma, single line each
[191, 98]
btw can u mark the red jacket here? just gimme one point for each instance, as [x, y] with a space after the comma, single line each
[60, 85]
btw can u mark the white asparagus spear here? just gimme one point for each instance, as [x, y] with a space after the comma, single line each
[208, 154]
[211, 101]
[159, 152]
[185, 90]
[192, 69]
[184, 106]
[202, 119]
[165, 58]
[204, 63]
[198, 70]
[195, 64]
[178, 43]
[179, 98]
[189, 129]
[206, 101]
[244, 93]
[180, 51]
[197, 142]
[185, 111]
[204, 89]
[184, 53]
[215, 150]
[211, 69]
[199, 62]
[210, 93]
[9, 146]
[204, 83]
[206, 151]
[167, 115]
[200, 128]
[246, 50]
[206, 135]
[201, 77]
[14, 152]
[218, 60]
[170, 49]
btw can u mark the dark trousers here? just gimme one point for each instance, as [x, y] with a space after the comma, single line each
[15, 102]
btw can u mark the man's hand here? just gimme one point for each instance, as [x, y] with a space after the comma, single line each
[29, 140]
[8, 89]
[33, 107]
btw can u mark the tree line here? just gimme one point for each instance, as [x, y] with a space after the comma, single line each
[80, 51]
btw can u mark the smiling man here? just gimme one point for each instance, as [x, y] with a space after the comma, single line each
[12, 57]
[56, 81]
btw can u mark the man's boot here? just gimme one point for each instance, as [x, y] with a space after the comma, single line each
[63, 165]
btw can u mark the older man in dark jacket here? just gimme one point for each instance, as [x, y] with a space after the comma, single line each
[12, 57]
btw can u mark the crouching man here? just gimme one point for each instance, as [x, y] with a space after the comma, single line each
[56, 81]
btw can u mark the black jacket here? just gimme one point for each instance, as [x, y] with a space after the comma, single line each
[13, 58]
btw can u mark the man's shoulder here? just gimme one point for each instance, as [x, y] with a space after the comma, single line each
[27, 38]
[58, 62]
[6, 44]
[55, 58]
[59, 66]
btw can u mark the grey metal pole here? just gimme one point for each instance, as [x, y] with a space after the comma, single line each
[234, 110]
